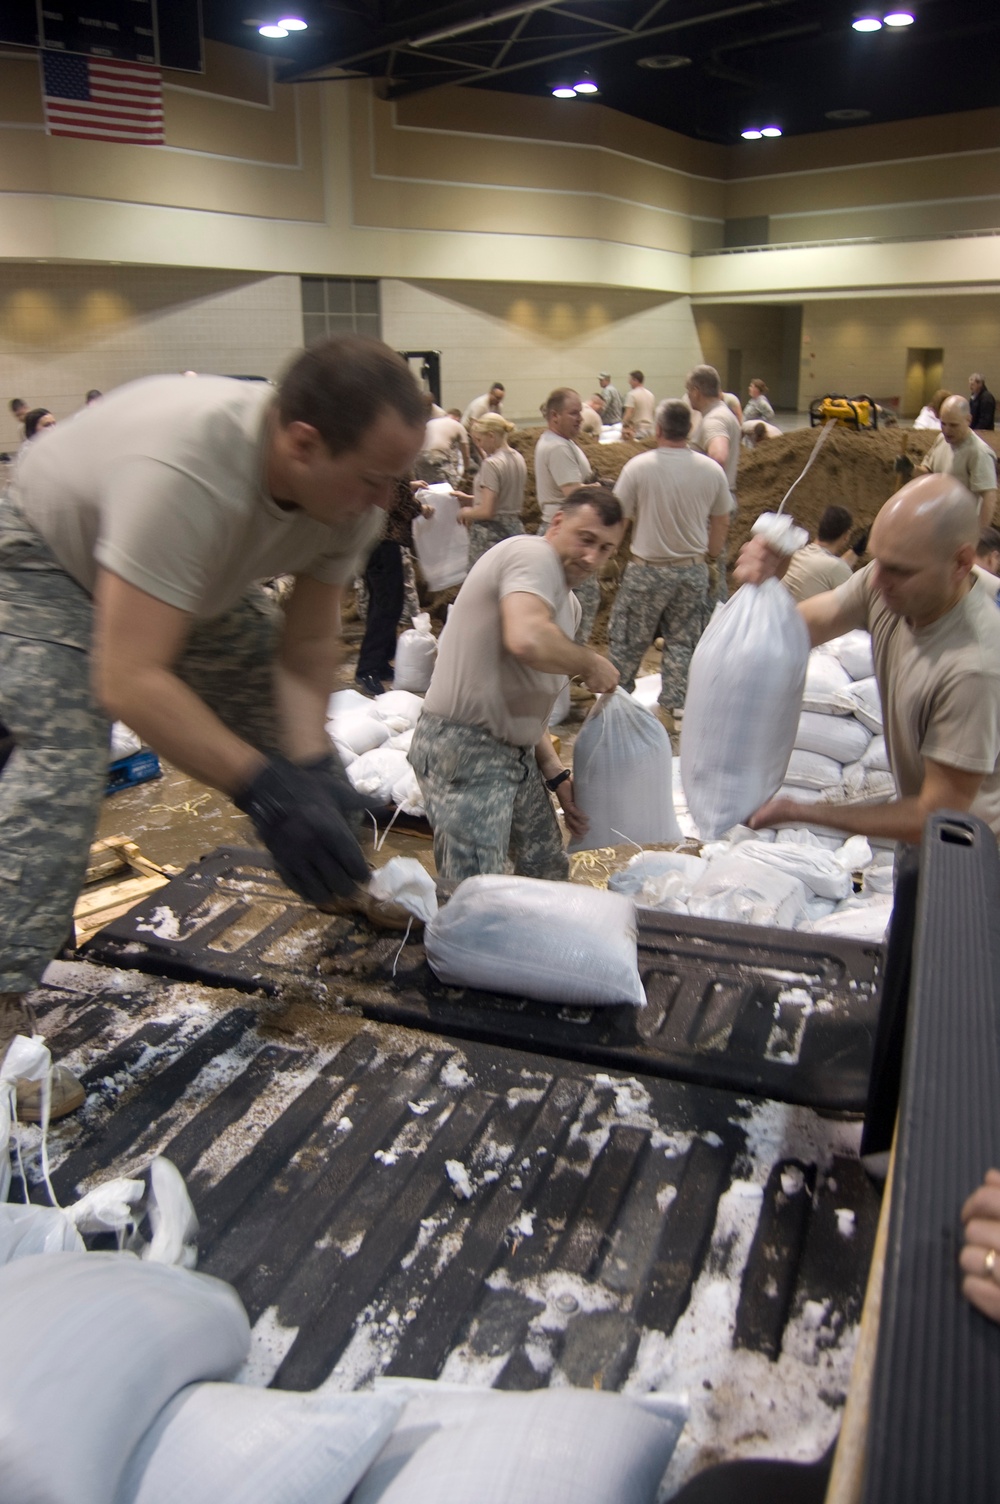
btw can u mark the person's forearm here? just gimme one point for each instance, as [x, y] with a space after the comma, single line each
[547, 757]
[987, 506]
[172, 719]
[899, 820]
[550, 651]
[302, 695]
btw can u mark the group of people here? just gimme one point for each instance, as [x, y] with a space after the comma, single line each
[34, 420]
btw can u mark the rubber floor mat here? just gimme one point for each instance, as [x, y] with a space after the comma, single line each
[770, 1012]
[387, 1201]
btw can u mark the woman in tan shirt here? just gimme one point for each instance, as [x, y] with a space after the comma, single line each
[493, 511]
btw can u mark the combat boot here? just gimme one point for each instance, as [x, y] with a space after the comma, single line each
[18, 1017]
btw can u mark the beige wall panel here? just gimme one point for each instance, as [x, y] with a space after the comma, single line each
[228, 128]
[66, 329]
[930, 135]
[861, 184]
[851, 348]
[20, 92]
[535, 338]
[230, 71]
[756, 332]
[523, 117]
[918, 220]
[792, 272]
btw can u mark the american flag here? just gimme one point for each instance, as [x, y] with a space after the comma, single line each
[102, 99]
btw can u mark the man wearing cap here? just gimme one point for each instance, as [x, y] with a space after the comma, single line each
[612, 398]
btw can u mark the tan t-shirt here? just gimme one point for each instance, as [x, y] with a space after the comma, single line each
[640, 408]
[814, 570]
[558, 462]
[476, 682]
[672, 493]
[442, 435]
[940, 688]
[719, 422]
[972, 462]
[505, 473]
[161, 482]
[590, 422]
[477, 407]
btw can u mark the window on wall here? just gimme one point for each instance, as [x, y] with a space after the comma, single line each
[339, 305]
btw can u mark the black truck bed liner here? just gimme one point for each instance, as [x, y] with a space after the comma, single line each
[390, 1201]
[770, 1012]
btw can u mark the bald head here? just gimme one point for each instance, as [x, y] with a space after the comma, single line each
[934, 512]
[956, 419]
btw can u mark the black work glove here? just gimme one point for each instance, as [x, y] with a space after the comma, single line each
[297, 815]
[860, 542]
[346, 797]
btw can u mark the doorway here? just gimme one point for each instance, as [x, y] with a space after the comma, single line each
[923, 378]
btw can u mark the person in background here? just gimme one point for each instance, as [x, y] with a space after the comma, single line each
[489, 402]
[493, 511]
[759, 432]
[37, 421]
[719, 436]
[639, 414]
[929, 415]
[561, 466]
[820, 566]
[759, 405]
[19, 410]
[592, 417]
[481, 751]
[92, 396]
[982, 403]
[735, 406]
[444, 456]
[385, 581]
[612, 398]
[987, 565]
[963, 454]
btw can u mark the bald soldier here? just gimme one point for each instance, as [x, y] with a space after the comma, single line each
[963, 454]
[936, 643]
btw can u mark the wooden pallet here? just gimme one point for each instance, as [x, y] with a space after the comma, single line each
[118, 876]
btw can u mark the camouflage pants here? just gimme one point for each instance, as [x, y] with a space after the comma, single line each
[589, 596]
[659, 600]
[487, 803]
[52, 787]
[483, 535]
[435, 467]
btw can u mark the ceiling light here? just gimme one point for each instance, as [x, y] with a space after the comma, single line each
[899, 18]
[586, 86]
[751, 135]
[770, 130]
[660, 61]
[272, 31]
[867, 23]
[848, 114]
[292, 23]
[563, 91]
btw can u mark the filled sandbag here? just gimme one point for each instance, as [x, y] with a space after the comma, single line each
[441, 543]
[557, 942]
[854, 651]
[862, 785]
[743, 703]
[94, 1346]
[232, 1444]
[827, 685]
[359, 732]
[623, 776]
[819, 870]
[400, 706]
[649, 865]
[841, 737]
[406, 793]
[876, 757]
[737, 887]
[810, 770]
[416, 654]
[864, 701]
[375, 773]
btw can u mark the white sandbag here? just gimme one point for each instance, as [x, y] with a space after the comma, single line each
[810, 770]
[94, 1345]
[561, 708]
[876, 756]
[346, 702]
[25, 1230]
[552, 1446]
[359, 732]
[860, 785]
[232, 1444]
[739, 888]
[375, 773]
[864, 701]
[838, 736]
[344, 753]
[817, 908]
[819, 870]
[441, 542]
[880, 877]
[854, 651]
[402, 742]
[124, 742]
[653, 864]
[804, 796]
[558, 942]
[407, 795]
[855, 854]
[623, 776]
[416, 654]
[827, 685]
[647, 690]
[397, 705]
[860, 920]
[743, 702]
[404, 881]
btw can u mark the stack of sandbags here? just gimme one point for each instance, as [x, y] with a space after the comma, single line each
[839, 753]
[372, 738]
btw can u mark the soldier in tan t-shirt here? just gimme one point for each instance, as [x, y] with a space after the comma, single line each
[820, 565]
[963, 454]
[719, 436]
[936, 643]
[493, 511]
[639, 414]
[481, 749]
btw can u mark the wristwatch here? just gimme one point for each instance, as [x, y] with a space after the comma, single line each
[553, 783]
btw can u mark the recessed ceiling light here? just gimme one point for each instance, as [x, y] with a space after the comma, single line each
[272, 31]
[663, 60]
[751, 135]
[586, 86]
[293, 23]
[563, 91]
[770, 130]
[848, 114]
[899, 18]
[867, 23]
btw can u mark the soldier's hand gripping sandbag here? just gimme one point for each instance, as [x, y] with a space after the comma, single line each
[297, 814]
[345, 796]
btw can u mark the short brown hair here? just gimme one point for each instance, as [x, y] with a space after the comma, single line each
[673, 418]
[340, 386]
[556, 401]
[705, 379]
[637, 376]
[604, 502]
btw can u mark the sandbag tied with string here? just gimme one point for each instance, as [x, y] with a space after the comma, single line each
[623, 776]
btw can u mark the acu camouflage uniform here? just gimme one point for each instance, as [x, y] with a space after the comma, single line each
[659, 600]
[487, 803]
[52, 787]
[483, 535]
